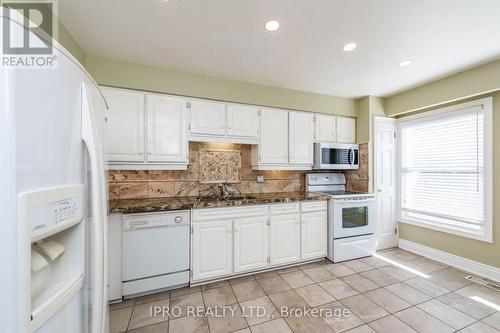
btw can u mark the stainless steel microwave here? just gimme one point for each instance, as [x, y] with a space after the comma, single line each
[336, 156]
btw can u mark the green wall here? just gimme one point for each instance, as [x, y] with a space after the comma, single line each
[478, 82]
[66, 39]
[144, 77]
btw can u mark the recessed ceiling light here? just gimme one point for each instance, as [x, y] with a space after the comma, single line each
[272, 25]
[405, 63]
[350, 47]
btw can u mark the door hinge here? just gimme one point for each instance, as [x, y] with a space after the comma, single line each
[268, 259]
[188, 105]
[189, 126]
[396, 231]
[258, 113]
[191, 229]
[394, 135]
[268, 221]
[191, 273]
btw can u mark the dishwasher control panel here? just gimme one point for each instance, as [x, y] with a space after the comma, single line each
[153, 220]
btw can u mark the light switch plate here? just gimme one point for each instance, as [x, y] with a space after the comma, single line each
[260, 179]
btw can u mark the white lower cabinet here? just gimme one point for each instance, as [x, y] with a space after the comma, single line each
[233, 240]
[285, 239]
[313, 235]
[251, 243]
[212, 249]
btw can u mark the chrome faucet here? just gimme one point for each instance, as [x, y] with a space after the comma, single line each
[224, 192]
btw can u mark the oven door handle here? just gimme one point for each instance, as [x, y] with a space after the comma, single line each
[354, 201]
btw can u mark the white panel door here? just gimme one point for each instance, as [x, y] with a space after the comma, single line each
[326, 128]
[274, 136]
[313, 235]
[208, 118]
[212, 249]
[301, 138]
[251, 243]
[166, 131]
[285, 239]
[346, 130]
[242, 121]
[385, 181]
[125, 126]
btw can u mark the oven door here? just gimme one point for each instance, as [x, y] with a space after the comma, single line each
[336, 156]
[353, 217]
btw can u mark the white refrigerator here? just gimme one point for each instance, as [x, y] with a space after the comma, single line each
[53, 198]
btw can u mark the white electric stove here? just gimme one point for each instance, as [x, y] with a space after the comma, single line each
[351, 217]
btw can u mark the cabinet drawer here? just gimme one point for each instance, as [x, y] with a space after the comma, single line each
[284, 208]
[203, 214]
[313, 206]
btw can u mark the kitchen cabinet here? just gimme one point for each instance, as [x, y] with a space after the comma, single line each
[207, 117]
[346, 130]
[212, 254]
[301, 138]
[325, 128]
[223, 122]
[145, 131]
[228, 241]
[124, 128]
[313, 235]
[285, 238]
[242, 121]
[166, 129]
[251, 243]
[273, 146]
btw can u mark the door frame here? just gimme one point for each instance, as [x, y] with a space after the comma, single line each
[377, 120]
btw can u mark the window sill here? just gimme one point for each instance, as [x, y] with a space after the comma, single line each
[480, 235]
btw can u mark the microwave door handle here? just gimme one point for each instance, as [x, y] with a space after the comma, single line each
[351, 159]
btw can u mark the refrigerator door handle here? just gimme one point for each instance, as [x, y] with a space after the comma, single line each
[98, 279]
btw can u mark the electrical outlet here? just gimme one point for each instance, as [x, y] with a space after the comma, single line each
[260, 179]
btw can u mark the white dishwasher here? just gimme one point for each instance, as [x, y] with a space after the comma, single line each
[155, 254]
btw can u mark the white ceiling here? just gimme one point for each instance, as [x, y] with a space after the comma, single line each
[226, 38]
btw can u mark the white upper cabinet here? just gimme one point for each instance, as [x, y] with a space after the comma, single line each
[166, 129]
[313, 233]
[207, 117]
[242, 121]
[125, 126]
[301, 138]
[326, 128]
[346, 130]
[273, 148]
[251, 243]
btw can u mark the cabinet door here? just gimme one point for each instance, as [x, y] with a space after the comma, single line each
[166, 119]
[208, 118]
[212, 249]
[285, 239]
[242, 121]
[251, 243]
[326, 128]
[346, 130]
[274, 136]
[125, 126]
[313, 235]
[301, 138]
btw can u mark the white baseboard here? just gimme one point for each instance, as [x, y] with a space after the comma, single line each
[462, 263]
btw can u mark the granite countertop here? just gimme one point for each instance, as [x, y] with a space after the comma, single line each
[129, 206]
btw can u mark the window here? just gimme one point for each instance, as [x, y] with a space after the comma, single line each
[445, 169]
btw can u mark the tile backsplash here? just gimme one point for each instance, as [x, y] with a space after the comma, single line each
[209, 163]
[212, 163]
[357, 180]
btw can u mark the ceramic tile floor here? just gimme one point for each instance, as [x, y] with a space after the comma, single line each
[409, 294]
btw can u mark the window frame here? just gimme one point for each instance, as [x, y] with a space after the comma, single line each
[486, 232]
